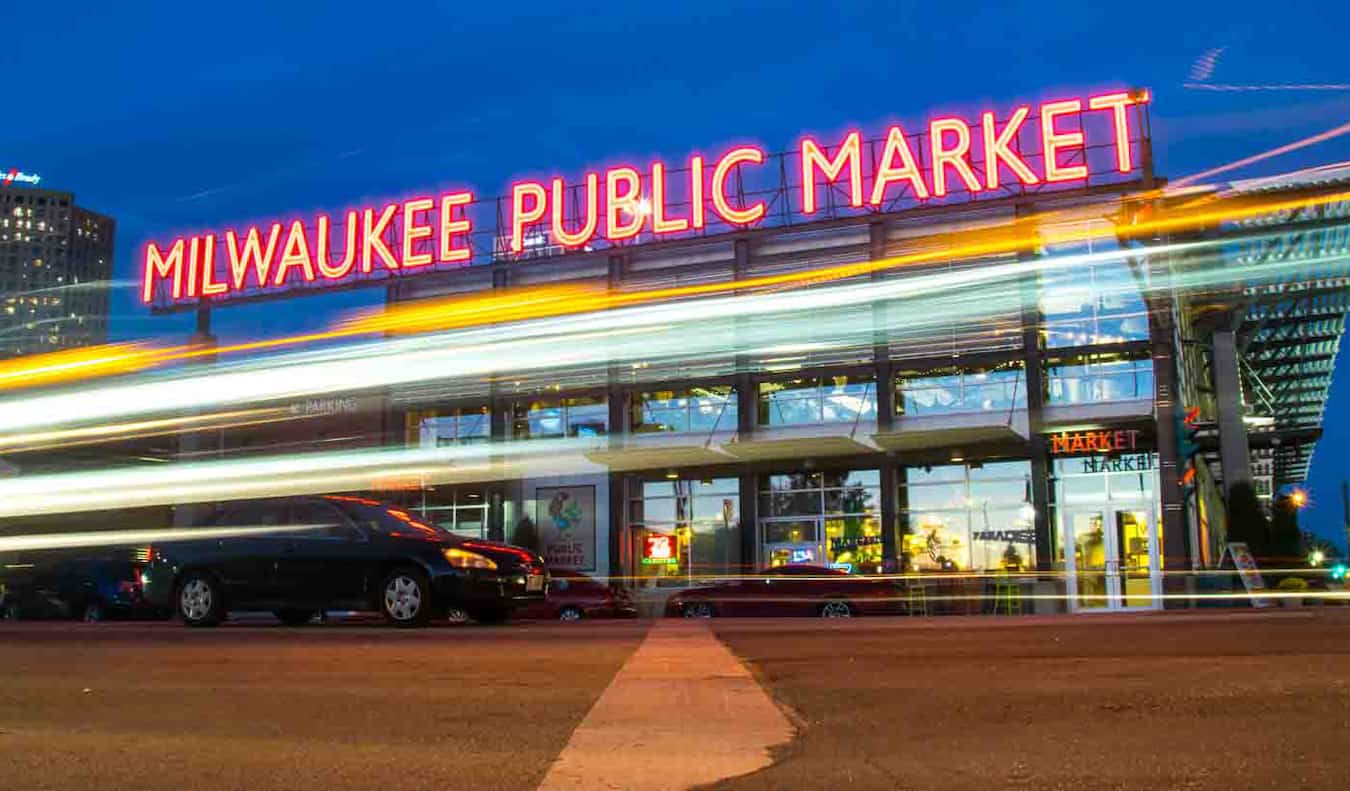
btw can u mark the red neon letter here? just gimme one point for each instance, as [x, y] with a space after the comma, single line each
[1116, 103]
[450, 227]
[194, 252]
[295, 252]
[520, 216]
[372, 238]
[262, 261]
[697, 211]
[661, 223]
[414, 233]
[210, 287]
[587, 231]
[897, 145]
[627, 201]
[850, 155]
[1052, 141]
[348, 252]
[956, 157]
[157, 264]
[724, 165]
[996, 147]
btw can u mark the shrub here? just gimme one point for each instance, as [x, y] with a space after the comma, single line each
[1292, 584]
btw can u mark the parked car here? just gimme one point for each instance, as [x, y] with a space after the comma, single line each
[91, 585]
[340, 553]
[573, 596]
[790, 590]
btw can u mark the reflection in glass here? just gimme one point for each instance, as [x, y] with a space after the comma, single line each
[696, 409]
[815, 400]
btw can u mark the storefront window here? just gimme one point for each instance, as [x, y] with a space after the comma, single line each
[566, 416]
[695, 409]
[949, 391]
[685, 531]
[815, 400]
[1097, 303]
[453, 426]
[822, 518]
[1093, 379]
[968, 518]
[459, 509]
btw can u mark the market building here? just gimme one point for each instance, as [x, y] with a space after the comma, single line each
[1075, 434]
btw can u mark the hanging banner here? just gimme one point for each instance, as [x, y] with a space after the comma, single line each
[566, 518]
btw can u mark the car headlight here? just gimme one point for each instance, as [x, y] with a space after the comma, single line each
[464, 559]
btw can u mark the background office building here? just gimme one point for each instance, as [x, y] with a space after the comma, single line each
[55, 261]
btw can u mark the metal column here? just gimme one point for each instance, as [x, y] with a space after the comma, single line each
[1233, 451]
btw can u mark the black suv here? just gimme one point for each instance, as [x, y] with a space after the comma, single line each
[339, 553]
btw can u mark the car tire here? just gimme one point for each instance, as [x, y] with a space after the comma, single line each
[93, 612]
[294, 617]
[490, 614]
[571, 613]
[405, 598]
[200, 601]
[697, 609]
[836, 608]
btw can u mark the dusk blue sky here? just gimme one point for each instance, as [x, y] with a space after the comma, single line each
[174, 116]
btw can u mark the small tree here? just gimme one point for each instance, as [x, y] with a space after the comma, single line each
[526, 534]
[1247, 522]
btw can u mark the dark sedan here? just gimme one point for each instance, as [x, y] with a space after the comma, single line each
[573, 597]
[789, 590]
[340, 553]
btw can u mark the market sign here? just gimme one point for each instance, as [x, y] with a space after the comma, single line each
[1056, 143]
[10, 176]
[658, 549]
[1070, 442]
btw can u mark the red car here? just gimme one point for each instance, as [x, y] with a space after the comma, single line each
[573, 596]
[790, 590]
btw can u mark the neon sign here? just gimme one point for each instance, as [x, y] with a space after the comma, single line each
[1094, 441]
[10, 176]
[658, 549]
[1032, 146]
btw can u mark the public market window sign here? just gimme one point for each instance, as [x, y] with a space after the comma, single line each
[1071, 442]
[1056, 143]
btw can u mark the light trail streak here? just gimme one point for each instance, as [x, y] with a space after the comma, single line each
[73, 437]
[114, 538]
[1274, 152]
[1024, 235]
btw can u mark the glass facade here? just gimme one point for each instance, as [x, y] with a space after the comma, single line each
[460, 509]
[822, 518]
[560, 416]
[1099, 378]
[813, 400]
[975, 517]
[454, 426]
[693, 409]
[951, 390]
[694, 522]
[1095, 303]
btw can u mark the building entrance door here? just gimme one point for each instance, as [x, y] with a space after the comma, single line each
[1111, 558]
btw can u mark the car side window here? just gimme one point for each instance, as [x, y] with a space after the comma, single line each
[337, 526]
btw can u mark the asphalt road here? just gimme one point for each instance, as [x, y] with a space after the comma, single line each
[159, 706]
[1221, 701]
[1237, 701]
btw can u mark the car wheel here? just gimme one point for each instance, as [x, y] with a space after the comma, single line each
[294, 617]
[93, 612]
[456, 615]
[201, 602]
[405, 598]
[697, 609]
[490, 614]
[570, 613]
[836, 609]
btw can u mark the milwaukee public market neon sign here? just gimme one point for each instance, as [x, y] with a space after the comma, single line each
[1031, 146]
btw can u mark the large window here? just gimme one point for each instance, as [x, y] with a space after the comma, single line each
[1093, 303]
[968, 517]
[948, 391]
[685, 530]
[816, 399]
[452, 426]
[1099, 378]
[560, 416]
[822, 518]
[458, 509]
[693, 409]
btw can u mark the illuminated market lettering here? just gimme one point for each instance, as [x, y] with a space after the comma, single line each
[1094, 441]
[1029, 145]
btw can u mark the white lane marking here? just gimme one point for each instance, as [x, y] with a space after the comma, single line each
[682, 711]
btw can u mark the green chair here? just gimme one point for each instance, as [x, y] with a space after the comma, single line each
[916, 598]
[1007, 597]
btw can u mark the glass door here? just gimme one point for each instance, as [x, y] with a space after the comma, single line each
[1110, 559]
